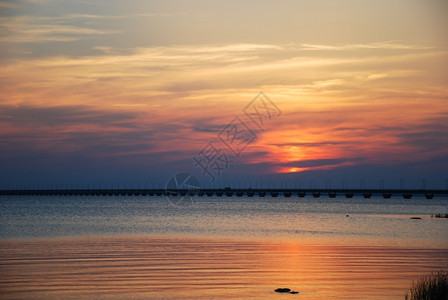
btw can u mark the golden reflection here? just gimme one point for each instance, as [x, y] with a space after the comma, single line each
[197, 268]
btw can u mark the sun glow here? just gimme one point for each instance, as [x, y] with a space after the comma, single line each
[292, 170]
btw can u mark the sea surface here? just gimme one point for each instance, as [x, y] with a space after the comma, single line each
[134, 247]
[340, 218]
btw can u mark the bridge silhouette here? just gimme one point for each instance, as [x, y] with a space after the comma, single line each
[230, 192]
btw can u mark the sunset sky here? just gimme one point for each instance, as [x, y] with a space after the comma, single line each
[131, 92]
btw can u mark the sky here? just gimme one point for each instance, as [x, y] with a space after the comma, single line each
[237, 93]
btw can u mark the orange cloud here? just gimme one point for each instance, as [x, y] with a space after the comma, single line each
[363, 107]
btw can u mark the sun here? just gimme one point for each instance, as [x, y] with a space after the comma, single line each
[292, 170]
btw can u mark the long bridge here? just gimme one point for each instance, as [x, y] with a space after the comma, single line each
[230, 192]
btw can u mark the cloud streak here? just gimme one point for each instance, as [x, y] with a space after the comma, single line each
[25, 29]
[389, 45]
[163, 104]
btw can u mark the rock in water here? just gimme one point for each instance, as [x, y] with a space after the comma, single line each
[283, 290]
[293, 292]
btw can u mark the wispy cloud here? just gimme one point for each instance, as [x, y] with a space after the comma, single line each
[124, 16]
[389, 45]
[367, 107]
[24, 29]
[20, 4]
[61, 28]
[6, 5]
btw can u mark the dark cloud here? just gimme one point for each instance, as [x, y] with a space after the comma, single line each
[318, 162]
[311, 144]
[208, 130]
[48, 136]
[30, 116]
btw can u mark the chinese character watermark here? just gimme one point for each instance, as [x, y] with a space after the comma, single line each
[261, 109]
[235, 137]
[217, 155]
[181, 188]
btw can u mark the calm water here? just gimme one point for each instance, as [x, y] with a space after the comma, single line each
[375, 218]
[147, 267]
[217, 248]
